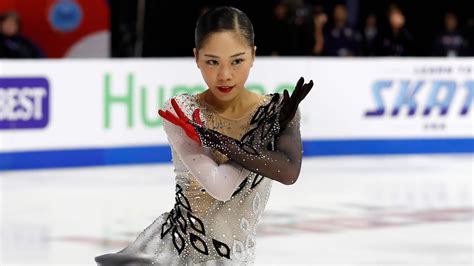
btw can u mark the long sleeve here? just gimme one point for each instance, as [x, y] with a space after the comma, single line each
[267, 151]
[220, 181]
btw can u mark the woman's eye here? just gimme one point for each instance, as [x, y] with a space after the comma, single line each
[237, 61]
[211, 62]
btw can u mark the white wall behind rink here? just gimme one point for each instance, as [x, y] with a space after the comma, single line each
[114, 102]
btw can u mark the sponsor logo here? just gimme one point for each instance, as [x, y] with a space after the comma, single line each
[141, 101]
[414, 98]
[24, 103]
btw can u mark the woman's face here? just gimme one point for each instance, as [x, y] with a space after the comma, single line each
[225, 60]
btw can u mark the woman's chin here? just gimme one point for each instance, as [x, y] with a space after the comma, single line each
[224, 96]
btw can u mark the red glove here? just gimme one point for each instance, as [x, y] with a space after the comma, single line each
[182, 121]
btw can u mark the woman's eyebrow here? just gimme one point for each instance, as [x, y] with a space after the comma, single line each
[237, 54]
[215, 56]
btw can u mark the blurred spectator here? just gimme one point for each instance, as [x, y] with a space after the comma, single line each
[291, 31]
[450, 42]
[396, 41]
[305, 28]
[320, 19]
[282, 39]
[341, 39]
[12, 43]
[370, 35]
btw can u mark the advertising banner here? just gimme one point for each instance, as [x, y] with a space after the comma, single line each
[109, 107]
[64, 28]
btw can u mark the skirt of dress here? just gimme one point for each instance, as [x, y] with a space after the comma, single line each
[143, 251]
[149, 248]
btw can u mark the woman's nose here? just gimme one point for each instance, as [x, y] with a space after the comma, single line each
[225, 73]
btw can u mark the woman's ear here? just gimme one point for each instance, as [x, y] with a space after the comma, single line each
[254, 53]
[196, 56]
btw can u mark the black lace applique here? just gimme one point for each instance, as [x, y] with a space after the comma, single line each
[198, 244]
[183, 201]
[181, 221]
[178, 241]
[180, 227]
[256, 181]
[240, 187]
[222, 249]
[196, 224]
[167, 225]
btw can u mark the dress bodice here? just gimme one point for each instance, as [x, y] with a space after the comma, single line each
[231, 223]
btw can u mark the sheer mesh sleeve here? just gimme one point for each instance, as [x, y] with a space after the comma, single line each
[220, 181]
[266, 151]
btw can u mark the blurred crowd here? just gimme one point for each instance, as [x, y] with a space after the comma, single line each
[291, 28]
[311, 30]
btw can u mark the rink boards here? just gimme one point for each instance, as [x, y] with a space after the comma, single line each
[70, 113]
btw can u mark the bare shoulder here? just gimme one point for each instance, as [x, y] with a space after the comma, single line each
[256, 97]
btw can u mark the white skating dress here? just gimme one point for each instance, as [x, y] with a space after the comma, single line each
[218, 203]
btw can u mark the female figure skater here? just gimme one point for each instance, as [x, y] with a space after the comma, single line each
[228, 144]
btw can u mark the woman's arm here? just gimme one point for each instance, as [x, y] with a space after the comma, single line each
[282, 164]
[280, 129]
[220, 181]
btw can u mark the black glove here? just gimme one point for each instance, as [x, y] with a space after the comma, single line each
[260, 150]
[290, 104]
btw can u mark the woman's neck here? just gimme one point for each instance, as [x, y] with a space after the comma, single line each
[240, 106]
[234, 106]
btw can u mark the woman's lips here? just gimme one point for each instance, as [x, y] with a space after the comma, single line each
[225, 89]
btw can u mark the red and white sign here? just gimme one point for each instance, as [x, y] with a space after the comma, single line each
[64, 28]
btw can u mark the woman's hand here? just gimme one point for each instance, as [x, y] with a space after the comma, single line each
[290, 104]
[182, 121]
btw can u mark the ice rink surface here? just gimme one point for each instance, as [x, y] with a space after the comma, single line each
[379, 210]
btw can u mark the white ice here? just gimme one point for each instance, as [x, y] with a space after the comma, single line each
[377, 210]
